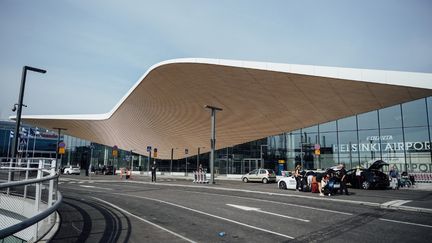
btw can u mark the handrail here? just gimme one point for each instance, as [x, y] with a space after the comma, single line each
[31, 221]
[26, 182]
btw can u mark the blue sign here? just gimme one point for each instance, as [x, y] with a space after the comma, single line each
[149, 149]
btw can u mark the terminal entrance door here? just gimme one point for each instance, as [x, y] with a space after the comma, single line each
[249, 164]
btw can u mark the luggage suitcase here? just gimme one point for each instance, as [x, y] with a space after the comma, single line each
[314, 187]
[393, 183]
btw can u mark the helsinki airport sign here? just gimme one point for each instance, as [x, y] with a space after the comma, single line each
[385, 145]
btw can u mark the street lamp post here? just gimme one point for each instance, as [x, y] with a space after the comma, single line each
[58, 142]
[20, 105]
[213, 139]
[261, 157]
[172, 156]
[131, 160]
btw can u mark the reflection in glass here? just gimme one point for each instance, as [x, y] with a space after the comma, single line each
[414, 113]
[329, 150]
[348, 123]
[328, 127]
[310, 129]
[417, 147]
[369, 147]
[368, 120]
[390, 117]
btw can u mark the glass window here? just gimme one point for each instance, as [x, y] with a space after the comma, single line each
[429, 108]
[348, 148]
[369, 147]
[390, 117]
[310, 129]
[368, 120]
[328, 127]
[417, 147]
[329, 150]
[348, 123]
[392, 147]
[414, 113]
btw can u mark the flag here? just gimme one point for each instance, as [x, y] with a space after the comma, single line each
[11, 134]
[31, 132]
[37, 131]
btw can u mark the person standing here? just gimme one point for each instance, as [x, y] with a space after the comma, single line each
[297, 177]
[342, 174]
[153, 171]
[394, 175]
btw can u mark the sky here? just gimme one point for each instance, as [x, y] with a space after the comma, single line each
[94, 51]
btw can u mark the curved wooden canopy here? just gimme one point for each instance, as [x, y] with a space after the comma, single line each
[165, 108]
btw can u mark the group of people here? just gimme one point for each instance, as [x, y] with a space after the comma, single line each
[324, 181]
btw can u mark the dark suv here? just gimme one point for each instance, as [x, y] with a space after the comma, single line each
[369, 178]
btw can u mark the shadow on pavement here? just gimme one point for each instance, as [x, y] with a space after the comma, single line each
[86, 221]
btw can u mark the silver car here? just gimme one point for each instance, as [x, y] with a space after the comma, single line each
[261, 175]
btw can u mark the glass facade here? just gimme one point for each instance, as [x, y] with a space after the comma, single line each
[399, 135]
[36, 142]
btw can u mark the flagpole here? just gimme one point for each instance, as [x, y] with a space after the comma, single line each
[34, 141]
[8, 145]
[28, 141]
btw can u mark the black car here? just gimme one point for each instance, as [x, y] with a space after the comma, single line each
[369, 178]
[109, 170]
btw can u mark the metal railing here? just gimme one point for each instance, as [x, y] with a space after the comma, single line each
[29, 197]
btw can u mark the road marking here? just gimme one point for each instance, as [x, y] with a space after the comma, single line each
[208, 214]
[144, 220]
[265, 212]
[394, 203]
[281, 203]
[401, 222]
[96, 187]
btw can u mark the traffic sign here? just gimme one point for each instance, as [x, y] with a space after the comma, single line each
[155, 152]
[149, 149]
[317, 152]
[62, 145]
[317, 146]
[115, 151]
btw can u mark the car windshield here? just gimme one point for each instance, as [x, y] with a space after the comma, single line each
[270, 171]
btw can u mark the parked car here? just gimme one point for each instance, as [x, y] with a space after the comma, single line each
[261, 175]
[369, 178]
[72, 170]
[109, 170]
[288, 182]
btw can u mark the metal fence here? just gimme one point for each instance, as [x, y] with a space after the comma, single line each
[29, 197]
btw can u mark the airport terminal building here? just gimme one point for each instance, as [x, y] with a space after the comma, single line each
[273, 115]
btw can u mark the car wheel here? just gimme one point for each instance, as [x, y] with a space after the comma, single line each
[245, 180]
[265, 180]
[365, 185]
[282, 185]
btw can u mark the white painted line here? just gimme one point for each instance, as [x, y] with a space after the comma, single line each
[280, 203]
[96, 187]
[265, 212]
[409, 223]
[144, 220]
[394, 203]
[207, 214]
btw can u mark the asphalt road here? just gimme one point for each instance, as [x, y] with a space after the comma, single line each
[109, 210]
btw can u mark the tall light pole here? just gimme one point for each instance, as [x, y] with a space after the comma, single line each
[20, 105]
[261, 157]
[213, 139]
[131, 160]
[59, 129]
[172, 156]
